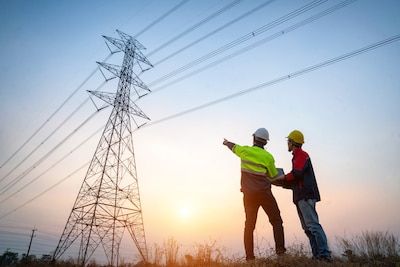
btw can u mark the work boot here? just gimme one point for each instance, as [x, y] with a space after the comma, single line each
[325, 258]
[280, 251]
[250, 258]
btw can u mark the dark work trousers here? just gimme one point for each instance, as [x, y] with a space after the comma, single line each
[252, 201]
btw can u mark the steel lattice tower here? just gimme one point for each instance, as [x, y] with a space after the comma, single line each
[108, 202]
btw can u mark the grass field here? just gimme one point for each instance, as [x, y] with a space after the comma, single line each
[365, 249]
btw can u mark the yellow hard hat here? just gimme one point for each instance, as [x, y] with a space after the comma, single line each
[296, 136]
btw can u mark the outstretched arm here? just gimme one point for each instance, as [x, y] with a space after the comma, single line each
[229, 144]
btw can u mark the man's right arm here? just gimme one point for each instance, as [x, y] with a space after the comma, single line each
[229, 144]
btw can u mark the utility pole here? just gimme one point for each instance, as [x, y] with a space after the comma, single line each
[30, 242]
[108, 202]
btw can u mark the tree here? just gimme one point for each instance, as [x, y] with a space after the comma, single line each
[8, 258]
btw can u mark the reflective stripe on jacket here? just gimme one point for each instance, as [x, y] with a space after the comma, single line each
[256, 164]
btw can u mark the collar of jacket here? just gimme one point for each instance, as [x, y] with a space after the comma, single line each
[296, 150]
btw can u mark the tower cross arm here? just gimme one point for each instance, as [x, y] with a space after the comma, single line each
[142, 58]
[116, 42]
[109, 98]
[136, 111]
[126, 38]
[136, 81]
[132, 79]
[114, 69]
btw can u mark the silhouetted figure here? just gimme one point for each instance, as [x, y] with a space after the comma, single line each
[256, 165]
[305, 195]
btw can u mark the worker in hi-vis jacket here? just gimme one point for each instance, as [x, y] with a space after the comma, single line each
[257, 165]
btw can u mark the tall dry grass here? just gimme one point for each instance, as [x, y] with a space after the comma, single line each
[369, 247]
[171, 249]
[365, 249]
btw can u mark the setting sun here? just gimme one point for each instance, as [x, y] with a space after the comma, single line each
[185, 212]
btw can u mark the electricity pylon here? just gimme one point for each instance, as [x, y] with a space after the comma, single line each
[108, 202]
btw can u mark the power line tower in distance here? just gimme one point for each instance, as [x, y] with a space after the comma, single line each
[108, 203]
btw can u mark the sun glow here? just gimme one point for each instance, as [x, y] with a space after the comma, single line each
[185, 212]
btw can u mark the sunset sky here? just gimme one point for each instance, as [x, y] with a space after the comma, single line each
[189, 182]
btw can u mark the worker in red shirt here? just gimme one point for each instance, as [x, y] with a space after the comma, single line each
[305, 195]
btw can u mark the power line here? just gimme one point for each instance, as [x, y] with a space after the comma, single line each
[47, 235]
[3, 232]
[15, 227]
[161, 18]
[53, 165]
[328, 62]
[231, 22]
[45, 139]
[80, 86]
[90, 75]
[241, 39]
[272, 82]
[12, 183]
[198, 24]
[52, 115]
[196, 108]
[258, 43]
[43, 192]
[313, 18]
[291, 75]
[41, 235]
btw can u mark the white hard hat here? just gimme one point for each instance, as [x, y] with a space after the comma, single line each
[262, 133]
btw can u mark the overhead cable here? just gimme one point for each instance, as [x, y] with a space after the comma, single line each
[46, 139]
[43, 192]
[195, 26]
[52, 115]
[51, 134]
[13, 182]
[258, 43]
[22, 175]
[181, 3]
[241, 39]
[53, 165]
[231, 22]
[82, 84]
[295, 74]
[16, 227]
[289, 76]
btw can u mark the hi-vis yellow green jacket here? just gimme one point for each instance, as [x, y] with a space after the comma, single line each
[256, 165]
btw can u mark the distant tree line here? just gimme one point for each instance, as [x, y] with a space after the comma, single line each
[9, 258]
